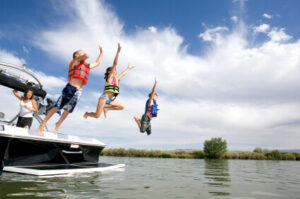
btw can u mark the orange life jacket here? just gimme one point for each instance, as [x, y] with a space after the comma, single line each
[80, 71]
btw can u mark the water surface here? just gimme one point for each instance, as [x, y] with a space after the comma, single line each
[165, 178]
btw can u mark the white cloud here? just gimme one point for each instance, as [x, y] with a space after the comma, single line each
[241, 2]
[152, 29]
[213, 34]
[265, 15]
[234, 18]
[53, 85]
[262, 28]
[241, 93]
[26, 50]
[279, 35]
[10, 58]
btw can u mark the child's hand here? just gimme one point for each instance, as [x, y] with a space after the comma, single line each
[130, 67]
[100, 48]
[119, 47]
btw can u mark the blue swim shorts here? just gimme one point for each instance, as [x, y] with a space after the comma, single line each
[68, 99]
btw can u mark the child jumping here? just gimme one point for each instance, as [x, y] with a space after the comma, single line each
[78, 76]
[150, 112]
[111, 90]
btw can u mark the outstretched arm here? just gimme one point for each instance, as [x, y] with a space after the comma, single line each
[113, 69]
[17, 94]
[153, 92]
[93, 65]
[125, 71]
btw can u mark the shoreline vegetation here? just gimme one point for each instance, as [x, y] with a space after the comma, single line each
[257, 154]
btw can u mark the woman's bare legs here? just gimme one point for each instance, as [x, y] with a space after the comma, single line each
[114, 105]
[100, 106]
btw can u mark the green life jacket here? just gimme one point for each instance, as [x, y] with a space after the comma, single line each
[111, 88]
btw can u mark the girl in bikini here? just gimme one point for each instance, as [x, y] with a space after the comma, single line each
[111, 90]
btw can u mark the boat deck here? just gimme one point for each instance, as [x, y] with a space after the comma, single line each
[15, 132]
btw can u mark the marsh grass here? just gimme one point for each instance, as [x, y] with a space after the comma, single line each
[199, 154]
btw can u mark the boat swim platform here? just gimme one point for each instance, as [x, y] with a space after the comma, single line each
[54, 170]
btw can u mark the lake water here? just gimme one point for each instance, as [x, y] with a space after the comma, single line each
[166, 178]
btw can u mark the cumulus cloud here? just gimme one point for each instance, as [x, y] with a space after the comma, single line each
[279, 35]
[10, 58]
[243, 93]
[262, 28]
[152, 29]
[233, 91]
[265, 15]
[234, 18]
[213, 34]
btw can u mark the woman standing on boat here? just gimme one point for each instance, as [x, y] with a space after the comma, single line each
[28, 106]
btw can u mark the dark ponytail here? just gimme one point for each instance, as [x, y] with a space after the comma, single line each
[107, 73]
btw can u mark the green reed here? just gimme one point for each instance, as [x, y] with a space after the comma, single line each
[199, 154]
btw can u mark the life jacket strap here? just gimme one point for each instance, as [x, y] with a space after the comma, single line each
[111, 87]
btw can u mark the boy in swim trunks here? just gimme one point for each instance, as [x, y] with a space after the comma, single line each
[78, 76]
[150, 112]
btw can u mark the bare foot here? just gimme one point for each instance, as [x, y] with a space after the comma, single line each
[85, 115]
[105, 112]
[40, 130]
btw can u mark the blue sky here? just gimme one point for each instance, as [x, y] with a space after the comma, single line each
[226, 68]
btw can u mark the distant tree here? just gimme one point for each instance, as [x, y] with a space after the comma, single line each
[266, 150]
[274, 155]
[258, 150]
[215, 148]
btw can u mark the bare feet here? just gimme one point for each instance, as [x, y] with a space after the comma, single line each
[137, 120]
[40, 130]
[85, 115]
[105, 110]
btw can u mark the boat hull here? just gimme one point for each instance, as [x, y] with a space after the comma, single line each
[24, 152]
[19, 148]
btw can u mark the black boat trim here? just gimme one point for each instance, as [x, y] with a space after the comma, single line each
[16, 82]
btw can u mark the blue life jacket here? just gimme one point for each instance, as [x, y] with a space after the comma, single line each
[154, 108]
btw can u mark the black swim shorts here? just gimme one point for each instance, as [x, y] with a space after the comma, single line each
[24, 121]
[145, 124]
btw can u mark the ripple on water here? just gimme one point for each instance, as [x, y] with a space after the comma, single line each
[165, 178]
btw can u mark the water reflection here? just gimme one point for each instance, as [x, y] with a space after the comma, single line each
[25, 186]
[217, 177]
